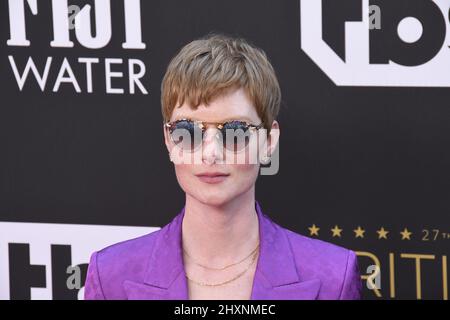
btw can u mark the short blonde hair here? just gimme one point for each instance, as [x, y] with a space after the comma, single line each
[210, 66]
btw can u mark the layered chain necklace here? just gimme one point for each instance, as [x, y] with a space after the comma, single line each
[253, 254]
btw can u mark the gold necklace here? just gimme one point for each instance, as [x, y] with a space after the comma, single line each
[223, 268]
[227, 281]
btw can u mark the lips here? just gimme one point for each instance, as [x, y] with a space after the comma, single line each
[212, 177]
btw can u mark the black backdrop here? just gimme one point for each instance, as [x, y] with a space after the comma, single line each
[350, 155]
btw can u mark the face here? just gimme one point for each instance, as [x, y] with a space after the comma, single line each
[236, 178]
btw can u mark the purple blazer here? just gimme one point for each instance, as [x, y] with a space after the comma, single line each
[290, 267]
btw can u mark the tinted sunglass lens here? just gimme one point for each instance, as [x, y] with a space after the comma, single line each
[187, 135]
[235, 135]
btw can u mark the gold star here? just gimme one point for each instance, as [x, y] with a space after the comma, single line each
[336, 231]
[382, 233]
[406, 235]
[359, 232]
[313, 230]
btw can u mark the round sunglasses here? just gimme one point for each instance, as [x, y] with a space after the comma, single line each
[189, 134]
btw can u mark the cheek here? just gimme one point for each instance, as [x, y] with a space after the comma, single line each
[244, 168]
[184, 175]
[244, 174]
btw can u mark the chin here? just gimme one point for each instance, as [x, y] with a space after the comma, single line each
[213, 199]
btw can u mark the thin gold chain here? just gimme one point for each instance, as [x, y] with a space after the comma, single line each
[228, 266]
[227, 281]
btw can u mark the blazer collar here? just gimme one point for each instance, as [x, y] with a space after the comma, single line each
[276, 276]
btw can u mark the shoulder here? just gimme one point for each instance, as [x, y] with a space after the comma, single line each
[130, 251]
[110, 266]
[336, 266]
[310, 249]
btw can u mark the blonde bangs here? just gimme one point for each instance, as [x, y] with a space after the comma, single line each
[209, 67]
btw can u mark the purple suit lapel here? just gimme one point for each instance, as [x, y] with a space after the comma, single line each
[276, 276]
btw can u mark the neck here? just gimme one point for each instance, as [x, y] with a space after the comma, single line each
[216, 235]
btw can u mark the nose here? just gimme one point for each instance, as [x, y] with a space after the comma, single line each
[212, 150]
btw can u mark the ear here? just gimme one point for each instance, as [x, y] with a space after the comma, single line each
[167, 139]
[274, 137]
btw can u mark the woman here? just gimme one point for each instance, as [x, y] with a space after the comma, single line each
[220, 98]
